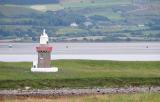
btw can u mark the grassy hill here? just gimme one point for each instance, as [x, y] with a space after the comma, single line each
[126, 20]
[81, 73]
[15, 10]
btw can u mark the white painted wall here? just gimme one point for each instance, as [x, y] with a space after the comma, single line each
[44, 38]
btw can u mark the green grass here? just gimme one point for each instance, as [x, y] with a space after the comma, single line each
[97, 3]
[81, 73]
[68, 30]
[15, 27]
[47, 7]
[14, 10]
[71, 4]
[110, 15]
[143, 97]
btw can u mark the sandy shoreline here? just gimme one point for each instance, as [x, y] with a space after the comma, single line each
[75, 92]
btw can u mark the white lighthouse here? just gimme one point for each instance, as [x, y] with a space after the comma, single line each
[44, 38]
[44, 56]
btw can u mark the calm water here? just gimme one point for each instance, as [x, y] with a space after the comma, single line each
[84, 48]
[98, 51]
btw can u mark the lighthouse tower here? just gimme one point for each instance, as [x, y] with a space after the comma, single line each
[44, 56]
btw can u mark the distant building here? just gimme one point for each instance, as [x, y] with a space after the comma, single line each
[140, 25]
[74, 24]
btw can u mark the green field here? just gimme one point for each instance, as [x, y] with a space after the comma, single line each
[68, 30]
[78, 4]
[147, 97]
[14, 10]
[62, 5]
[81, 73]
[46, 7]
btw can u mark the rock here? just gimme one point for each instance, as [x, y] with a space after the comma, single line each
[27, 88]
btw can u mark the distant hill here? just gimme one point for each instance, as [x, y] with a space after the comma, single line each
[97, 20]
[28, 2]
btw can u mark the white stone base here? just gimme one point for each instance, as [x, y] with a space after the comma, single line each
[52, 69]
